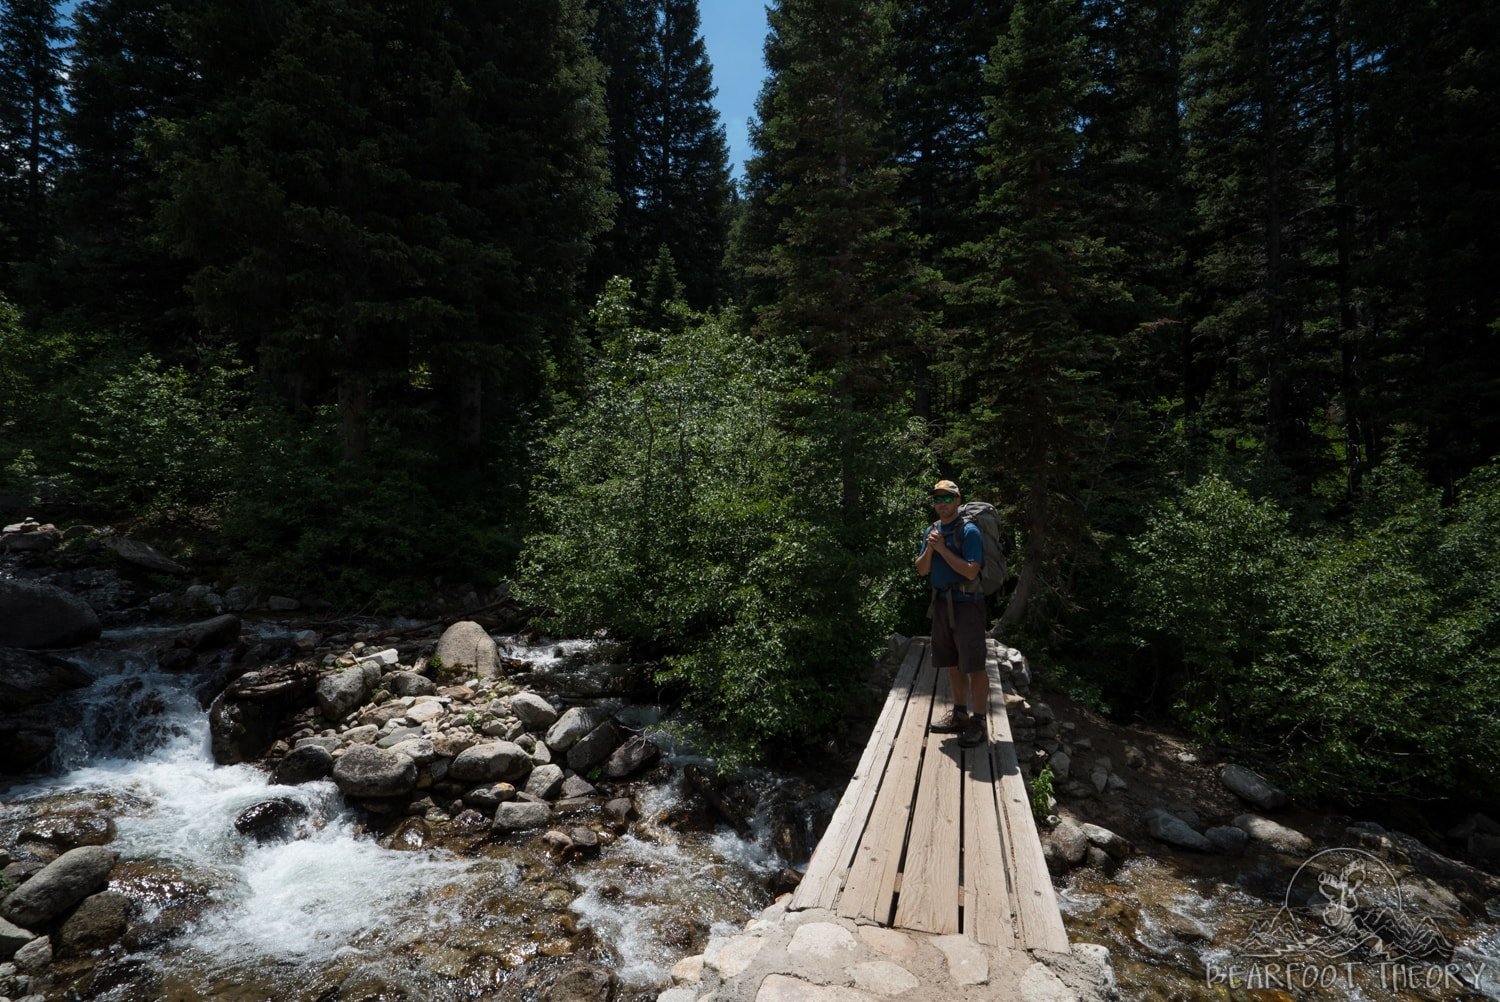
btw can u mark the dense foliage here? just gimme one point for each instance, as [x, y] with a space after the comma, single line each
[1201, 293]
[1366, 656]
[691, 506]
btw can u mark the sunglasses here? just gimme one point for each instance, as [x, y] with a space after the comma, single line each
[943, 499]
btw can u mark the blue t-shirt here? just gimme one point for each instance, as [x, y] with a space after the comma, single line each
[944, 576]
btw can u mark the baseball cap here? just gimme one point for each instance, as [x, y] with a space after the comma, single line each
[946, 487]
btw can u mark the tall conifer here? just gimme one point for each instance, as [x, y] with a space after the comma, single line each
[127, 78]
[1035, 365]
[31, 103]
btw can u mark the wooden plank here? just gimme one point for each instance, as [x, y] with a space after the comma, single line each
[929, 878]
[988, 915]
[829, 865]
[1039, 921]
[871, 885]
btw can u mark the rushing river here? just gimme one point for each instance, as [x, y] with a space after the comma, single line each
[221, 916]
[338, 912]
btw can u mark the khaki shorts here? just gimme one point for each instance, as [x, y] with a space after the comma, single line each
[959, 642]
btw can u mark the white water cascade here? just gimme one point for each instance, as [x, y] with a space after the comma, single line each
[303, 916]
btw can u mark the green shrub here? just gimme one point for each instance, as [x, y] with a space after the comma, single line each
[691, 506]
[161, 440]
[1362, 662]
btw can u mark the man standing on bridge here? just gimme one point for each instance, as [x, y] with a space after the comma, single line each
[957, 616]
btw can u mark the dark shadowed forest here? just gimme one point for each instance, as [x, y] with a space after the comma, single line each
[376, 300]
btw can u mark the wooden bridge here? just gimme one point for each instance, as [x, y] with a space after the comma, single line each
[935, 837]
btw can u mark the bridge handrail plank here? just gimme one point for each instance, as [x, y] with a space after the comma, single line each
[1035, 903]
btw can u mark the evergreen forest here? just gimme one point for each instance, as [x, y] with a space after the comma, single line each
[383, 302]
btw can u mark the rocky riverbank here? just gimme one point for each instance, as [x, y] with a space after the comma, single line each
[582, 857]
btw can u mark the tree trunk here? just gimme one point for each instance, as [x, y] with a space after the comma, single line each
[354, 412]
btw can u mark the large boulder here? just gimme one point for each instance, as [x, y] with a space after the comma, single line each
[303, 764]
[98, 921]
[28, 680]
[68, 831]
[340, 692]
[58, 886]
[219, 631]
[545, 781]
[594, 747]
[635, 754]
[36, 616]
[573, 726]
[532, 710]
[135, 552]
[409, 683]
[12, 938]
[241, 730]
[367, 771]
[1174, 831]
[1277, 836]
[586, 984]
[466, 646]
[270, 820]
[490, 761]
[29, 537]
[517, 814]
[1252, 787]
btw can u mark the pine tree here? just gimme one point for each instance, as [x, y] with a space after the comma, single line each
[842, 261]
[669, 161]
[1255, 112]
[31, 102]
[383, 198]
[1424, 181]
[1035, 366]
[937, 114]
[686, 158]
[622, 38]
[126, 78]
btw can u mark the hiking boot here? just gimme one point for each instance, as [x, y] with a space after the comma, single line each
[953, 723]
[975, 733]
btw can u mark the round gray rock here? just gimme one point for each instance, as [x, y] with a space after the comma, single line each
[485, 763]
[367, 771]
[409, 683]
[635, 754]
[1175, 831]
[582, 984]
[573, 726]
[58, 886]
[342, 691]
[98, 921]
[141, 555]
[594, 747]
[545, 781]
[303, 764]
[35, 616]
[517, 814]
[1277, 836]
[466, 645]
[12, 938]
[532, 710]
[1252, 787]
[1227, 839]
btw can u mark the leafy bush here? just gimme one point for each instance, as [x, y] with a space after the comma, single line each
[161, 441]
[1364, 662]
[691, 505]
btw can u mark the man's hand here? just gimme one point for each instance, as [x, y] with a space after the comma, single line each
[935, 540]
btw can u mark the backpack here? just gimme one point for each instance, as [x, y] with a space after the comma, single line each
[992, 569]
